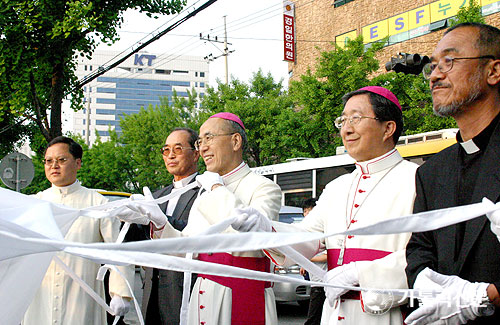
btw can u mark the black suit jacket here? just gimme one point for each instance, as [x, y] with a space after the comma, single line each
[163, 288]
[478, 259]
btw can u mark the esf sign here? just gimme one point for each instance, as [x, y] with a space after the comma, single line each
[412, 19]
[140, 58]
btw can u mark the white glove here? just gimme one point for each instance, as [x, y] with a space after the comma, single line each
[344, 275]
[458, 302]
[495, 221]
[250, 219]
[209, 179]
[147, 207]
[119, 305]
[127, 215]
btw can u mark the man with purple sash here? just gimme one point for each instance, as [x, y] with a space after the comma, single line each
[381, 187]
[229, 184]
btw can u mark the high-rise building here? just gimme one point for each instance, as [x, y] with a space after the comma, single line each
[409, 26]
[138, 82]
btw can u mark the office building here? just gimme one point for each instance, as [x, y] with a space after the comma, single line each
[138, 82]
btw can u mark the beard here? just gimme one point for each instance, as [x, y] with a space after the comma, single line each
[458, 106]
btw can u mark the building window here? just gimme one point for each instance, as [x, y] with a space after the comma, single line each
[196, 73]
[202, 84]
[202, 74]
[90, 67]
[338, 3]
[161, 71]
[180, 72]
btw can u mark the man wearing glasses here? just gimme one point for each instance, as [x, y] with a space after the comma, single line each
[162, 297]
[60, 300]
[229, 184]
[381, 187]
[463, 260]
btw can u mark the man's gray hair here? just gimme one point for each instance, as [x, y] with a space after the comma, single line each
[236, 128]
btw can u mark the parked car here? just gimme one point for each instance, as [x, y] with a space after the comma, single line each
[285, 291]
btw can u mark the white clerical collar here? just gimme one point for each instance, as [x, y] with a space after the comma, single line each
[380, 163]
[185, 181]
[67, 189]
[469, 146]
[235, 173]
[234, 170]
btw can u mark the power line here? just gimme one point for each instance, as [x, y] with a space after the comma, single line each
[241, 20]
[102, 69]
[139, 42]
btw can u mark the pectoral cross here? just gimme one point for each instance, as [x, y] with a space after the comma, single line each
[340, 261]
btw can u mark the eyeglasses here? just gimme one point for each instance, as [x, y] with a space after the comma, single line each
[59, 161]
[353, 120]
[177, 150]
[445, 64]
[207, 139]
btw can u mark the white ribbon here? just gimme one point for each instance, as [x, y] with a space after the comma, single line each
[18, 238]
[100, 276]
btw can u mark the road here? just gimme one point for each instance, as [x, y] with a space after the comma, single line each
[288, 313]
[291, 314]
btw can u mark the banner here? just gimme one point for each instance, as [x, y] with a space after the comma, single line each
[289, 31]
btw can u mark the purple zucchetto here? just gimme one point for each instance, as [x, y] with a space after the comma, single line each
[230, 117]
[386, 93]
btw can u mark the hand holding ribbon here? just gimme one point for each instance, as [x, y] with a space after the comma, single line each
[144, 209]
[344, 275]
[249, 219]
[458, 303]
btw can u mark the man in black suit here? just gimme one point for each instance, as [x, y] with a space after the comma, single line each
[162, 296]
[462, 260]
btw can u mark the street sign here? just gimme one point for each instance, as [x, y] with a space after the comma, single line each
[16, 170]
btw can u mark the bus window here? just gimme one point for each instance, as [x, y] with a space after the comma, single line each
[296, 199]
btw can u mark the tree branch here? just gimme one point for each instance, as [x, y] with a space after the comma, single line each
[41, 115]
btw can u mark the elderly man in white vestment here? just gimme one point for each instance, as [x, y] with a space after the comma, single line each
[381, 187]
[60, 300]
[227, 184]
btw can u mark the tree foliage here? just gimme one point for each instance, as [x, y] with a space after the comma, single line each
[11, 135]
[469, 14]
[415, 98]
[144, 133]
[107, 166]
[261, 105]
[319, 94]
[39, 46]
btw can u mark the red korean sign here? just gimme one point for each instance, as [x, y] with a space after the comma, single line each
[289, 31]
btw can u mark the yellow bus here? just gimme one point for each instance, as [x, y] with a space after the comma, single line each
[303, 178]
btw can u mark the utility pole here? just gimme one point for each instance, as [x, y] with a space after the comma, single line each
[225, 53]
[226, 50]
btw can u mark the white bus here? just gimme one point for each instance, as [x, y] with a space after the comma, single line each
[303, 178]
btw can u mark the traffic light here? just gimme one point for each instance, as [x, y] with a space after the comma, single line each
[407, 63]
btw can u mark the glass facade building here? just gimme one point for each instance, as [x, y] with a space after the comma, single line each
[140, 81]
